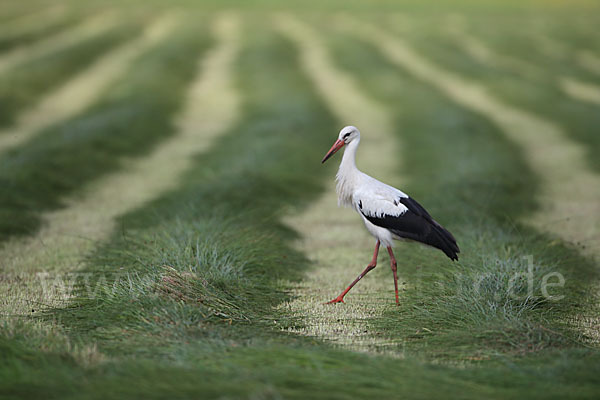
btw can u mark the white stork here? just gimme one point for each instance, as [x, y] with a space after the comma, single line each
[387, 212]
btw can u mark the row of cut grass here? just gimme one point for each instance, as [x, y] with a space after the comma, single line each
[288, 370]
[10, 11]
[539, 93]
[552, 37]
[21, 86]
[128, 120]
[572, 35]
[24, 33]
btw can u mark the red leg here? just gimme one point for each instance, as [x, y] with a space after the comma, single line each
[394, 269]
[372, 264]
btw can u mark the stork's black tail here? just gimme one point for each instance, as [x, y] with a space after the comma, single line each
[442, 239]
[433, 233]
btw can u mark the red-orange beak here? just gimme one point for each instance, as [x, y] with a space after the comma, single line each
[336, 146]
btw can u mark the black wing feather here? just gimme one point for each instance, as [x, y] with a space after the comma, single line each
[416, 224]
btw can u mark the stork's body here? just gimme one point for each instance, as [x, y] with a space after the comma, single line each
[388, 213]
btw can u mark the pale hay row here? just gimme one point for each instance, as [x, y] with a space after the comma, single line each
[589, 61]
[334, 239]
[70, 233]
[479, 51]
[570, 190]
[84, 88]
[549, 47]
[33, 21]
[585, 58]
[582, 91]
[574, 88]
[15, 10]
[89, 28]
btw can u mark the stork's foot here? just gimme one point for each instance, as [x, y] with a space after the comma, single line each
[338, 299]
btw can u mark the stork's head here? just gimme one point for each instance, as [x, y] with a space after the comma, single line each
[347, 135]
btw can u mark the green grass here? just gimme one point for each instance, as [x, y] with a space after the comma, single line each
[22, 86]
[583, 36]
[10, 40]
[538, 93]
[198, 271]
[290, 371]
[203, 241]
[130, 118]
[10, 12]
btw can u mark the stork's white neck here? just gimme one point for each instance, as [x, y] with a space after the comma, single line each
[349, 158]
[348, 174]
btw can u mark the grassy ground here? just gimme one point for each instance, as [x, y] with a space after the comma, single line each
[21, 86]
[130, 118]
[31, 28]
[536, 88]
[188, 295]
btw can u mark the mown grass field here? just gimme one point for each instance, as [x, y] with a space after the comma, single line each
[173, 234]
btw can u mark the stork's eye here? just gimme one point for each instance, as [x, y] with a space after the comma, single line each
[346, 136]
